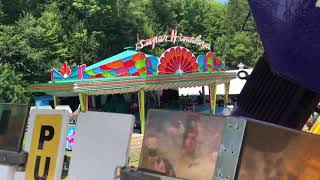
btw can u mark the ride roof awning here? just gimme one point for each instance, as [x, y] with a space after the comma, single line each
[131, 71]
[131, 84]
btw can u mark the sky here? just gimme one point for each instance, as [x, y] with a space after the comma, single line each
[224, 1]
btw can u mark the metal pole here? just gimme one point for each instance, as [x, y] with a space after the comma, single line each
[210, 104]
[226, 93]
[141, 109]
[82, 103]
[213, 97]
[54, 102]
[86, 102]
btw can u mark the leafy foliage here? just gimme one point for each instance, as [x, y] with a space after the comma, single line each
[239, 42]
[11, 89]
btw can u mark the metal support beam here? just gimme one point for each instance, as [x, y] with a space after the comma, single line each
[141, 109]
[82, 102]
[86, 98]
[54, 102]
[213, 97]
[230, 148]
[226, 93]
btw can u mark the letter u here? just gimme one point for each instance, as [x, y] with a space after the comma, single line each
[46, 169]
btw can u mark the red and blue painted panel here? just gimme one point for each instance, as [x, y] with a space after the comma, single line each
[135, 65]
[210, 63]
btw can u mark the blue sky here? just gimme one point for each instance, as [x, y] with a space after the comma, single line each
[224, 1]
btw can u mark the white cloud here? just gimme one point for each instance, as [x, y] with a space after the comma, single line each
[318, 3]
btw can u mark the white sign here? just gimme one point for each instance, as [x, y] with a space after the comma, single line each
[100, 146]
[46, 141]
[173, 38]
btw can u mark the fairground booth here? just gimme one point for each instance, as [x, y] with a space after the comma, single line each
[136, 72]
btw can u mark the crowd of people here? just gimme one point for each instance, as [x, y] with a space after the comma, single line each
[168, 99]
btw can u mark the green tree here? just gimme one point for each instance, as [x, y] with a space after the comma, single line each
[163, 13]
[1, 12]
[39, 41]
[34, 45]
[115, 23]
[11, 90]
[237, 48]
[213, 21]
[80, 45]
[11, 10]
[240, 41]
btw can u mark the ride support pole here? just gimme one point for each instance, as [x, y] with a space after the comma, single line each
[141, 109]
[226, 93]
[86, 98]
[82, 103]
[54, 102]
[213, 97]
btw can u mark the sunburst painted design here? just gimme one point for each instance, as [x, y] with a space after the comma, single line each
[177, 60]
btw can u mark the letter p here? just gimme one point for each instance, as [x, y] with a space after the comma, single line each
[46, 134]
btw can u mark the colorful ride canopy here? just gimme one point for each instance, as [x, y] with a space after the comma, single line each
[175, 60]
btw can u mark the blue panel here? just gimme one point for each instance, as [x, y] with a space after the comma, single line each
[149, 69]
[97, 70]
[132, 70]
[201, 63]
[126, 59]
[154, 60]
[59, 78]
[42, 100]
[86, 76]
[113, 72]
[200, 59]
[75, 70]
[57, 75]
[73, 77]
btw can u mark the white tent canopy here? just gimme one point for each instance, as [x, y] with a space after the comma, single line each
[236, 86]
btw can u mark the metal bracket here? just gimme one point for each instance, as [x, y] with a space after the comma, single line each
[135, 174]
[230, 148]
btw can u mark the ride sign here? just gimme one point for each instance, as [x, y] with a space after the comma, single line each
[173, 38]
[48, 132]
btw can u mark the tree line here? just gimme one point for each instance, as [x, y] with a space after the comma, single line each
[36, 35]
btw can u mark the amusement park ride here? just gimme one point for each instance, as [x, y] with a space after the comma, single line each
[281, 93]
